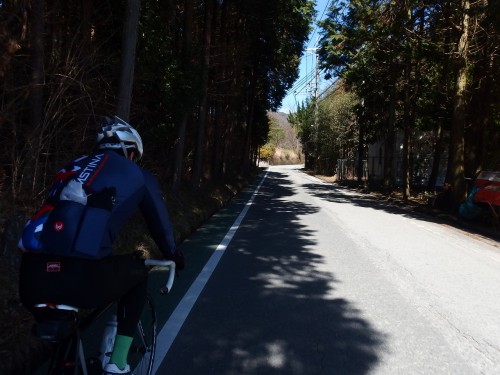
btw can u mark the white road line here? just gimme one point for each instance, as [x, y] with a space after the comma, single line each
[173, 325]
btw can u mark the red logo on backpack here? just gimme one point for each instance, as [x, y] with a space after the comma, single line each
[53, 266]
[58, 226]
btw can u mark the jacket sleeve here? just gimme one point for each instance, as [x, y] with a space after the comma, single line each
[157, 218]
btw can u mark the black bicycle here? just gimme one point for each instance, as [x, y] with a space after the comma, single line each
[62, 325]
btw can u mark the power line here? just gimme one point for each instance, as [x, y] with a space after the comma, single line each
[317, 20]
[304, 81]
[313, 73]
[325, 91]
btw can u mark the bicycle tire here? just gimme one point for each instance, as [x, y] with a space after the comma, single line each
[143, 348]
[64, 357]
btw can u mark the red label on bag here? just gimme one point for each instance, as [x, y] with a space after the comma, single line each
[58, 226]
[53, 266]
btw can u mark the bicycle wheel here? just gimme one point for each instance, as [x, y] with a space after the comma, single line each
[142, 350]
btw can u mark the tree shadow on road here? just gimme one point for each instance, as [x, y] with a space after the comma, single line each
[269, 309]
[338, 194]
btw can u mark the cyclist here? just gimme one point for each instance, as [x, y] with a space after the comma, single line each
[67, 245]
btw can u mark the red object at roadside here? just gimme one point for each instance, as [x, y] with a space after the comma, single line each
[488, 183]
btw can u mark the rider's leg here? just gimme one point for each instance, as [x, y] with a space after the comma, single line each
[129, 311]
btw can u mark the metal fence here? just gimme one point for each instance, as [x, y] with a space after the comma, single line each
[373, 170]
[347, 169]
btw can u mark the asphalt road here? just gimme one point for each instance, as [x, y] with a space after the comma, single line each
[315, 279]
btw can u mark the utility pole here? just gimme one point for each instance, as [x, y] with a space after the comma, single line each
[316, 83]
[361, 142]
[316, 88]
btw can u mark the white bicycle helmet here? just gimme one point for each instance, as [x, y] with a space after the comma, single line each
[118, 134]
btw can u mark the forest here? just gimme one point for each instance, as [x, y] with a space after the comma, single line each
[196, 78]
[415, 68]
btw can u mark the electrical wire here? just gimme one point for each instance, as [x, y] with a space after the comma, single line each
[317, 20]
[302, 83]
[310, 76]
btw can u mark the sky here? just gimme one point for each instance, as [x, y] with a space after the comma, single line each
[303, 88]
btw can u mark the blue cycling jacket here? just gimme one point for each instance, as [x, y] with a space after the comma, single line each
[88, 203]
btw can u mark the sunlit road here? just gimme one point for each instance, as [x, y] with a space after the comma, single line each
[321, 280]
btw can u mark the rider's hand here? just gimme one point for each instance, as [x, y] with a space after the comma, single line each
[179, 260]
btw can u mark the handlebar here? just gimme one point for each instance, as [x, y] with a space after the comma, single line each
[171, 272]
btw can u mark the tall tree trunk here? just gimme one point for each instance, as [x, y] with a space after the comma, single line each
[483, 80]
[186, 61]
[87, 25]
[248, 137]
[411, 91]
[37, 58]
[460, 105]
[218, 149]
[220, 120]
[406, 135]
[361, 141]
[200, 141]
[439, 145]
[438, 152]
[389, 141]
[129, 44]
[37, 86]
[474, 136]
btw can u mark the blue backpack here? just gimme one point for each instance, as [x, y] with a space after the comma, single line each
[30, 238]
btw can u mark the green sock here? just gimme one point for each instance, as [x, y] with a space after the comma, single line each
[120, 351]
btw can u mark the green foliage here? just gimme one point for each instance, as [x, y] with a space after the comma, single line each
[276, 133]
[402, 60]
[267, 151]
[303, 122]
[338, 124]
[331, 132]
[274, 48]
